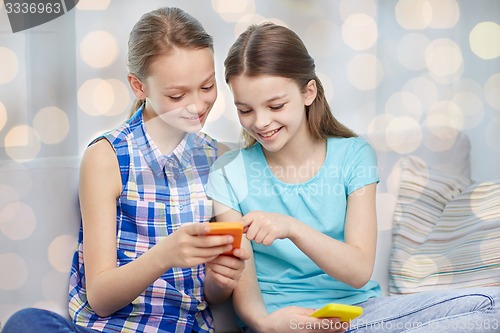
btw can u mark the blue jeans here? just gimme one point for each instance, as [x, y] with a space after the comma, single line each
[41, 321]
[454, 311]
[448, 311]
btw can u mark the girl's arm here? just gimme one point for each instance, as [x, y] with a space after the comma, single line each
[249, 304]
[351, 261]
[247, 298]
[223, 273]
[109, 288]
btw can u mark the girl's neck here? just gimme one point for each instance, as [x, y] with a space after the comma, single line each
[165, 137]
[298, 162]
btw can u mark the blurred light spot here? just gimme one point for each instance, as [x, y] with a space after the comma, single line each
[10, 65]
[7, 194]
[426, 269]
[14, 271]
[442, 138]
[471, 106]
[365, 72]
[51, 286]
[276, 21]
[98, 97]
[403, 135]
[51, 124]
[420, 266]
[445, 14]
[443, 58]
[492, 91]
[360, 32]
[385, 207]
[414, 14]
[61, 251]
[99, 49]
[121, 100]
[445, 113]
[233, 11]
[3, 116]
[245, 21]
[22, 143]
[219, 107]
[350, 7]
[93, 4]
[468, 85]
[411, 51]
[376, 131]
[321, 38]
[492, 133]
[17, 220]
[424, 89]
[404, 104]
[484, 40]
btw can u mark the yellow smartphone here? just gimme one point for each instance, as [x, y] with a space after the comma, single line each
[342, 311]
[234, 229]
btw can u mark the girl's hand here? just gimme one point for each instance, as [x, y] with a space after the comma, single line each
[185, 248]
[226, 270]
[298, 320]
[264, 228]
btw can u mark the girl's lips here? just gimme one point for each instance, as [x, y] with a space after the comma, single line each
[269, 135]
[198, 118]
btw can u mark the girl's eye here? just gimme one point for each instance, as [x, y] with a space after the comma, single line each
[277, 107]
[176, 98]
[244, 111]
[208, 88]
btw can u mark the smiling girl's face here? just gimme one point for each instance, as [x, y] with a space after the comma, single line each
[272, 109]
[181, 88]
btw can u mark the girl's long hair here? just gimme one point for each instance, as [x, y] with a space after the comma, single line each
[270, 49]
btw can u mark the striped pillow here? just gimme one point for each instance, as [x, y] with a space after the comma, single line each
[446, 232]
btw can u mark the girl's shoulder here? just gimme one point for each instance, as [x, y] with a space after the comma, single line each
[115, 136]
[353, 140]
[352, 143]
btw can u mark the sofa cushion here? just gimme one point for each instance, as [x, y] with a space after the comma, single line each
[445, 233]
[442, 148]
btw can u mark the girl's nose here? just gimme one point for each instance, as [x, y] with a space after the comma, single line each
[262, 120]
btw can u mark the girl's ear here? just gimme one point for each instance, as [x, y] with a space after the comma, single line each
[310, 92]
[137, 87]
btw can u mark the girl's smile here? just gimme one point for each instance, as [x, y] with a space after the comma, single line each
[269, 135]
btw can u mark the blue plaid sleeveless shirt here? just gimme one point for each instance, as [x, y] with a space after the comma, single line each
[159, 194]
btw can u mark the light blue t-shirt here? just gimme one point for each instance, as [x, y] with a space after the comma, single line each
[243, 181]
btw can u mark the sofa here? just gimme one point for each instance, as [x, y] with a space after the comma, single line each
[39, 217]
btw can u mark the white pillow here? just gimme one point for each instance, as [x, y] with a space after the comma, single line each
[445, 232]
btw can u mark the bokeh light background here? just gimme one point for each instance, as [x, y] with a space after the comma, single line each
[385, 65]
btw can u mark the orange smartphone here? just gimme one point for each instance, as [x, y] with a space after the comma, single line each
[342, 311]
[234, 229]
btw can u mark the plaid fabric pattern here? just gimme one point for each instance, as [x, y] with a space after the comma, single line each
[160, 193]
